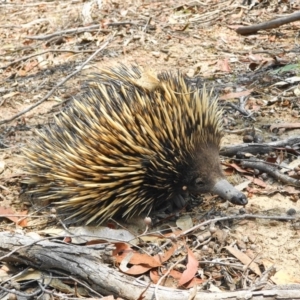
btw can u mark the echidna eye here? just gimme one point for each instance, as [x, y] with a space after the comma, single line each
[199, 182]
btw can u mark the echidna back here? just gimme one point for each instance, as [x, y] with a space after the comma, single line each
[128, 144]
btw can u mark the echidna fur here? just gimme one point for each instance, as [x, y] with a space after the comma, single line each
[132, 141]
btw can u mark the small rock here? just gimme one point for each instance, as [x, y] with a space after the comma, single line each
[155, 53]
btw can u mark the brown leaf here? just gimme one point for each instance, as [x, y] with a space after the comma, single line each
[256, 181]
[9, 214]
[235, 95]
[142, 261]
[191, 269]
[246, 260]
[235, 167]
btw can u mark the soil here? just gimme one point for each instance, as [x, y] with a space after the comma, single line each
[196, 37]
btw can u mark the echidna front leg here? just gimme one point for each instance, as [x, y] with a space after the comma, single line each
[179, 201]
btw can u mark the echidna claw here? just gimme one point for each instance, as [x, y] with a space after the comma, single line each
[179, 201]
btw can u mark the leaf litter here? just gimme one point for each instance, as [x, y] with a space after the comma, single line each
[41, 44]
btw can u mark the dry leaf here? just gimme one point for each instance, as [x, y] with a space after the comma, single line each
[191, 269]
[246, 260]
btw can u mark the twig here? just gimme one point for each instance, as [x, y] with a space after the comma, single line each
[241, 130]
[269, 24]
[247, 266]
[148, 22]
[14, 291]
[59, 84]
[240, 110]
[80, 30]
[78, 281]
[263, 280]
[23, 5]
[165, 275]
[121, 23]
[67, 31]
[271, 170]
[231, 265]
[44, 52]
[236, 217]
[255, 148]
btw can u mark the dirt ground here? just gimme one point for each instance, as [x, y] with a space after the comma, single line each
[257, 72]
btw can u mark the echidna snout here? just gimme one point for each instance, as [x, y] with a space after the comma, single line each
[221, 188]
[225, 190]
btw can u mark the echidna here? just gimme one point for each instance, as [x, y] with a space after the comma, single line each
[131, 142]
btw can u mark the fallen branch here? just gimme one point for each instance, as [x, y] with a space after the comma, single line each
[80, 30]
[269, 24]
[271, 170]
[67, 31]
[86, 264]
[44, 52]
[235, 217]
[259, 148]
